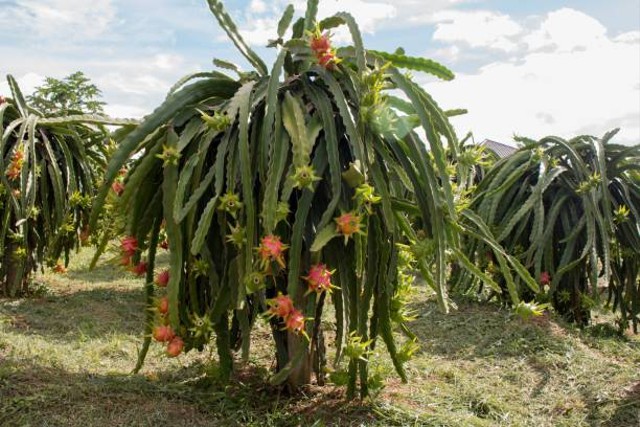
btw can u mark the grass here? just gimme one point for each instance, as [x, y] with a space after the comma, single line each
[66, 355]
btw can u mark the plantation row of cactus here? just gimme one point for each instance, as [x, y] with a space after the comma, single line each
[570, 211]
[50, 170]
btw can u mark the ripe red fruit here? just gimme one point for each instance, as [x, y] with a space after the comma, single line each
[175, 347]
[164, 245]
[545, 278]
[320, 44]
[326, 60]
[84, 234]
[280, 306]
[162, 279]
[117, 187]
[163, 305]
[129, 245]
[319, 278]
[295, 322]
[163, 333]
[348, 224]
[125, 261]
[140, 268]
[13, 173]
[272, 249]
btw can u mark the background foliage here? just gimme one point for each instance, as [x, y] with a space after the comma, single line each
[569, 211]
[50, 167]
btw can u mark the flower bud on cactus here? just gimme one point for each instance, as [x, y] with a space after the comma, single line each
[304, 177]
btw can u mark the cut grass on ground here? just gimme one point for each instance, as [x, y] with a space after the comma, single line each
[65, 359]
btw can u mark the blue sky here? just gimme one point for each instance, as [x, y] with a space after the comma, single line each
[531, 67]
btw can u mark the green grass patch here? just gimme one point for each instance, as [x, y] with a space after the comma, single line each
[66, 357]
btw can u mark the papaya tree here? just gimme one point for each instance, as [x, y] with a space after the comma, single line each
[570, 211]
[50, 169]
[286, 189]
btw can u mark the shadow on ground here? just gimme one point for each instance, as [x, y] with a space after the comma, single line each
[477, 331]
[628, 410]
[91, 313]
[33, 395]
[545, 344]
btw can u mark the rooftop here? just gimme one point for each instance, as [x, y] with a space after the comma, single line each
[500, 149]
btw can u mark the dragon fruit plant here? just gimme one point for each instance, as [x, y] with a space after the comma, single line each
[569, 210]
[281, 191]
[49, 173]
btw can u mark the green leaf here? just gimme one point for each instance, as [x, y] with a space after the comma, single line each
[416, 64]
[294, 123]
[357, 39]
[323, 237]
[174, 234]
[311, 14]
[170, 107]
[231, 29]
[285, 21]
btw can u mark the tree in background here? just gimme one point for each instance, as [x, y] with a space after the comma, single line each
[74, 94]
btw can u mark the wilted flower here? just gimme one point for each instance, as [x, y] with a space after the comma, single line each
[254, 282]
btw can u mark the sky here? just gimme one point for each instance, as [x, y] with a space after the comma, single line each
[528, 67]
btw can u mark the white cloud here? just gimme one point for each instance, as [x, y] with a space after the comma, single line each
[122, 111]
[565, 84]
[27, 83]
[567, 30]
[259, 23]
[629, 37]
[168, 61]
[367, 14]
[72, 19]
[484, 29]
[259, 32]
[257, 6]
